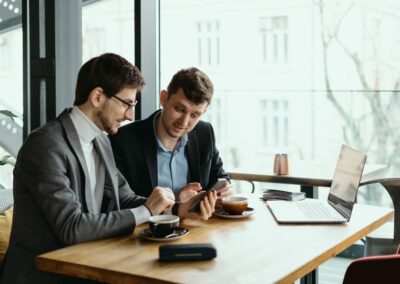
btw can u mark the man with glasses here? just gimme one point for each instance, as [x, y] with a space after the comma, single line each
[173, 148]
[67, 188]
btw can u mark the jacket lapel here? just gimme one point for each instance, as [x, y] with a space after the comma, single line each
[192, 150]
[73, 139]
[104, 149]
[150, 149]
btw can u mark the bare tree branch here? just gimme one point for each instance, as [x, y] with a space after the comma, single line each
[325, 44]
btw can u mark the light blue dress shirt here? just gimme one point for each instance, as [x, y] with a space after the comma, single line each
[173, 166]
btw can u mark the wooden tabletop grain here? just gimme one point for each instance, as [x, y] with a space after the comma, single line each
[251, 250]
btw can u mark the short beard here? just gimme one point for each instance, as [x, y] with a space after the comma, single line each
[104, 123]
[167, 130]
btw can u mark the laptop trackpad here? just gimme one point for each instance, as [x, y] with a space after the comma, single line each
[307, 211]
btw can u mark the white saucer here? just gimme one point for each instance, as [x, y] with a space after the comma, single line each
[223, 214]
[178, 233]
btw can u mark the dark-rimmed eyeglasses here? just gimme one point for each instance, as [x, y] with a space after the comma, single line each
[129, 106]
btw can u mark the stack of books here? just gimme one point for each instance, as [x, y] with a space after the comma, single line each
[274, 194]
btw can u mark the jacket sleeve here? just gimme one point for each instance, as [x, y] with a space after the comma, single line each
[127, 197]
[43, 172]
[216, 170]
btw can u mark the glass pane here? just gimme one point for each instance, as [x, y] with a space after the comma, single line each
[108, 26]
[11, 99]
[356, 103]
[322, 89]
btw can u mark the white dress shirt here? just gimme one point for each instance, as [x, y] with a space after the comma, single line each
[87, 132]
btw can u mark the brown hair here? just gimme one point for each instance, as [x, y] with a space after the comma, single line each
[110, 72]
[196, 85]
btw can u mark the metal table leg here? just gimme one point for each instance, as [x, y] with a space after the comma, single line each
[310, 191]
[312, 277]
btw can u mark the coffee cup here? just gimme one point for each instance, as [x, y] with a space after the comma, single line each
[281, 164]
[163, 225]
[235, 204]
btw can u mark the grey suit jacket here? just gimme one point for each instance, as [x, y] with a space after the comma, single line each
[52, 205]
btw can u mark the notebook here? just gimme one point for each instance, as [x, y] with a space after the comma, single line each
[342, 195]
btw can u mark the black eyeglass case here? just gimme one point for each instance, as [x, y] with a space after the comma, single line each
[183, 252]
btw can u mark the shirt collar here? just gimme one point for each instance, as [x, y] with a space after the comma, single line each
[87, 130]
[181, 143]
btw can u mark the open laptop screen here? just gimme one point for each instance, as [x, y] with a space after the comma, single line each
[346, 180]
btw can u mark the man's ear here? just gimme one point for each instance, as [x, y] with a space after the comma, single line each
[96, 97]
[163, 97]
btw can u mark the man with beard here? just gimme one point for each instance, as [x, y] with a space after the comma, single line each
[172, 147]
[67, 188]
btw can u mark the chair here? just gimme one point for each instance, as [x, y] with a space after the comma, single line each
[386, 243]
[234, 176]
[374, 269]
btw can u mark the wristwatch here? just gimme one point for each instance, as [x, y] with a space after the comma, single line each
[175, 208]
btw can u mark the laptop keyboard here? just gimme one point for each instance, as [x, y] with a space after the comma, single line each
[315, 210]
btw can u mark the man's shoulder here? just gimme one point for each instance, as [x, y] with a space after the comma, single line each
[51, 131]
[203, 126]
[43, 144]
[203, 133]
[135, 128]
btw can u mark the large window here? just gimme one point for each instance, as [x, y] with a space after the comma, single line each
[11, 70]
[108, 26]
[11, 95]
[297, 78]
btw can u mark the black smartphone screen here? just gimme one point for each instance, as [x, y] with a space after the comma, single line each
[216, 186]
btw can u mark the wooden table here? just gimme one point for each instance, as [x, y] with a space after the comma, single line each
[308, 174]
[252, 250]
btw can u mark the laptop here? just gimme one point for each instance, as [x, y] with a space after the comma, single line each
[342, 195]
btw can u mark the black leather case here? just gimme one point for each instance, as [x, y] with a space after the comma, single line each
[187, 252]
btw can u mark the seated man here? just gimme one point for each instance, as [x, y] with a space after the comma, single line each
[172, 148]
[67, 188]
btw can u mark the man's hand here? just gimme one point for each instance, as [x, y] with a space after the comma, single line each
[225, 190]
[189, 190]
[207, 207]
[161, 199]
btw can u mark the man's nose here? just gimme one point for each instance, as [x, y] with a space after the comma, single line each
[185, 119]
[130, 114]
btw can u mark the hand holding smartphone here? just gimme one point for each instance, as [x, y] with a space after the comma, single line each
[216, 186]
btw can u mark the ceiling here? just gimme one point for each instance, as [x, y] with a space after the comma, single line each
[10, 9]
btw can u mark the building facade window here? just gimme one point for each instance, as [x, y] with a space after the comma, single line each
[275, 123]
[208, 43]
[274, 39]
[214, 116]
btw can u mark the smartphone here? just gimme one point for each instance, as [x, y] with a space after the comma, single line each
[216, 186]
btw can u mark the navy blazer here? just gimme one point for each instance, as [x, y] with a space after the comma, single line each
[135, 153]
